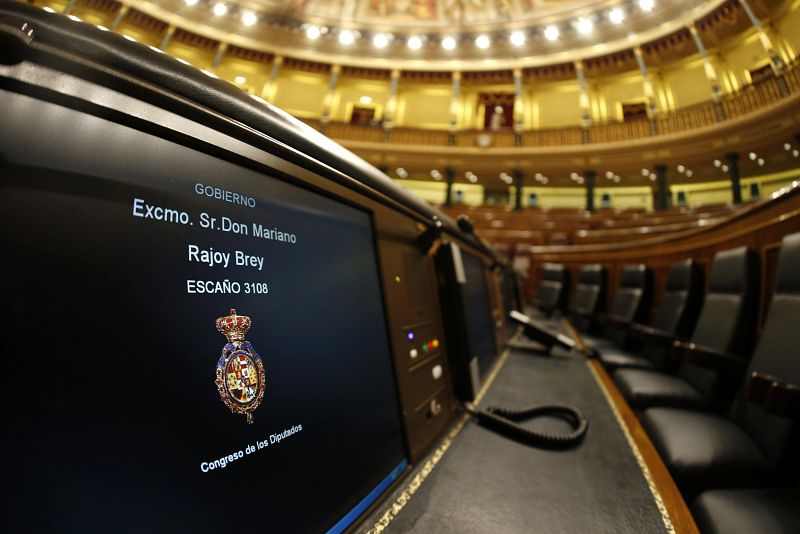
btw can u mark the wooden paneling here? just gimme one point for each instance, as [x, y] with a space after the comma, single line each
[760, 226]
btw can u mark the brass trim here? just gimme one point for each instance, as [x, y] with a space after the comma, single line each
[636, 453]
[405, 496]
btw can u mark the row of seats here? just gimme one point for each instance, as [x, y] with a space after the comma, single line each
[721, 413]
[515, 231]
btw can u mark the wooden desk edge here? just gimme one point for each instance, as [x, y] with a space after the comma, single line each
[676, 508]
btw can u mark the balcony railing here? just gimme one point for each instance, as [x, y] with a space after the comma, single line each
[746, 100]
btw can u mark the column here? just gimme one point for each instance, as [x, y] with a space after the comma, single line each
[328, 101]
[583, 100]
[519, 177]
[391, 104]
[711, 73]
[590, 177]
[120, 16]
[450, 177]
[454, 107]
[774, 58]
[733, 169]
[661, 202]
[270, 88]
[168, 35]
[648, 89]
[519, 109]
[220, 54]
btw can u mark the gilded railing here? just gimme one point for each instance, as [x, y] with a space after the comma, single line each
[748, 99]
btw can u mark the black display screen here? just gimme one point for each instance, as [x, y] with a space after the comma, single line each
[121, 250]
[477, 307]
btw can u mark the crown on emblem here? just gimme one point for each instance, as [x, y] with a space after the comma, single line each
[234, 326]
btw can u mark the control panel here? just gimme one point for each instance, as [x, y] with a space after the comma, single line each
[418, 343]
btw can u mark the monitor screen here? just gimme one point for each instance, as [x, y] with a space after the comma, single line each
[477, 308]
[137, 399]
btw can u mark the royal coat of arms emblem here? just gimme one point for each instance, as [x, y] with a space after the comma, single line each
[240, 372]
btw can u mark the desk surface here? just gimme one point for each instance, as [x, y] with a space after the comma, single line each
[479, 481]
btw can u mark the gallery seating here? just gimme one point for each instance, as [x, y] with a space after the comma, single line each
[674, 319]
[553, 290]
[755, 442]
[748, 511]
[588, 298]
[631, 304]
[723, 329]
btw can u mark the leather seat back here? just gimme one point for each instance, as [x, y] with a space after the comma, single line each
[776, 354]
[553, 287]
[588, 297]
[680, 305]
[632, 301]
[727, 320]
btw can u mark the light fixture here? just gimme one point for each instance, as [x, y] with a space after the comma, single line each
[313, 32]
[652, 177]
[580, 180]
[645, 172]
[414, 42]
[545, 179]
[240, 80]
[609, 175]
[538, 176]
[380, 40]
[787, 147]
[517, 38]
[724, 168]
[616, 15]
[190, 3]
[689, 173]
[401, 172]
[551, 33]
[681, 169]
[346, 37]
[249, 18]
[584, 26]
[483, 42]
[436, 175]
[573, 176]
[220, 9]
[448, 43]
[752, 156]
[647, 5]
[365, 99]
[760, 162]
[795, 153]
[617, 179]
[717, 163]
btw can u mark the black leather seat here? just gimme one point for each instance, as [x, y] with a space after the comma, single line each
[674, 319]
[748, 511]
[724, 328]
[553, 290]
[749, 446]
[588, 298]
[631, 304]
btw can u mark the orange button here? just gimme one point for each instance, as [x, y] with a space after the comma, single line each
[435, 343]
